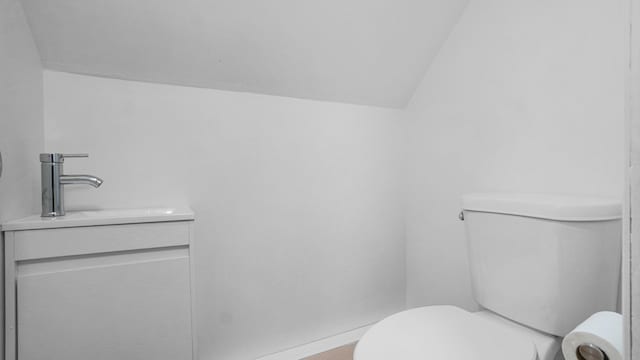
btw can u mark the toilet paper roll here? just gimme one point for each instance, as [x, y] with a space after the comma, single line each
[602, 329]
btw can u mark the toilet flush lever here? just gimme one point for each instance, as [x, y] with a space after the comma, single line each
[461, 215]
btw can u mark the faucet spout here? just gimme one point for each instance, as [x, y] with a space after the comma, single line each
[81, 179]
[52, 178]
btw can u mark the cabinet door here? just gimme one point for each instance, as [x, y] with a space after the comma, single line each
[123, 306]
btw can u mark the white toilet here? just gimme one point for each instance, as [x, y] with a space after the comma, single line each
[540, 265]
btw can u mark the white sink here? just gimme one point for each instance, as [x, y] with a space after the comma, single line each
[100, 217]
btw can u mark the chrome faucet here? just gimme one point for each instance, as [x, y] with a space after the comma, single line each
[53, 179]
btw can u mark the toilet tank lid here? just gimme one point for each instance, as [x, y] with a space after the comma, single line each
[545, 206]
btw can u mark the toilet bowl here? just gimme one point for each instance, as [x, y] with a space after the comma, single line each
[540, 265]
[448, 332]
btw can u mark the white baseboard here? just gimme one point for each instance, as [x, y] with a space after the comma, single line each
[319, 346]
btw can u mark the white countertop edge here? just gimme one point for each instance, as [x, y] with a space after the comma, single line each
[100, 217]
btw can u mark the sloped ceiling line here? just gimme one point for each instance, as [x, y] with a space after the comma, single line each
[369, 52]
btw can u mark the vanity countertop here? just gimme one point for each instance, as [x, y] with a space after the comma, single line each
[100, 217]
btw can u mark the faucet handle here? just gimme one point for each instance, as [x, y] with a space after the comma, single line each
[80, 155]
[58, 157]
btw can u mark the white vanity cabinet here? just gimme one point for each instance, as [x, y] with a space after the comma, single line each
[101, 285]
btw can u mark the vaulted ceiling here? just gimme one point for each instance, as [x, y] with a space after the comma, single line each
[371, 52]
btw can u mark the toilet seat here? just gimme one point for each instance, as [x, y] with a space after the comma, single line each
[442, 332]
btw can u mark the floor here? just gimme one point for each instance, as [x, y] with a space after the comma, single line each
[341, 353]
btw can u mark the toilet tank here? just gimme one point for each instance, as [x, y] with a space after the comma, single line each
[544, 261]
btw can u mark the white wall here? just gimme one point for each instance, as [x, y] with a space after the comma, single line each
[21, 128]
[525, 95]
[299, 228]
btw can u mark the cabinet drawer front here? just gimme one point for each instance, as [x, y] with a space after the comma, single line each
[47, 243]
[135, 310]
